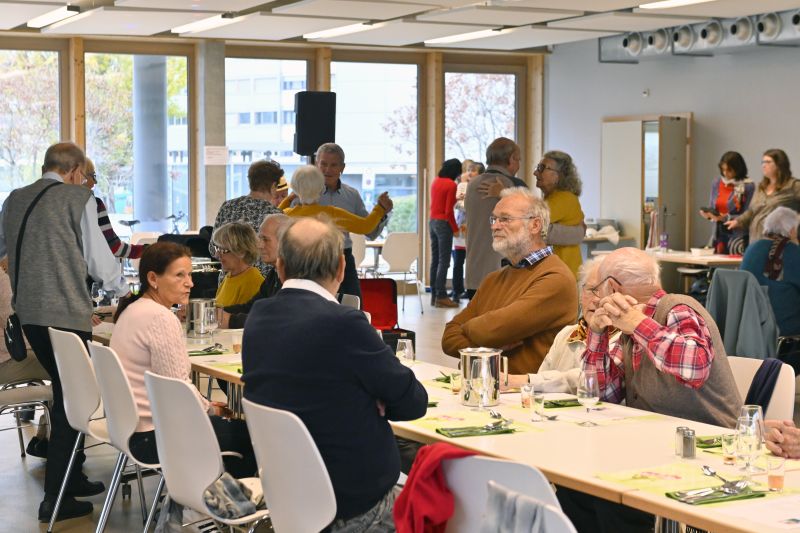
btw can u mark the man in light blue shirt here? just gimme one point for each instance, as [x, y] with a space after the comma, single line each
[330, 160]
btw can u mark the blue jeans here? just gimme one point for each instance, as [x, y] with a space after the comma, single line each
[459, 256]
[441, 245]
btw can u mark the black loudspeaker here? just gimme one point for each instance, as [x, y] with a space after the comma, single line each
[315, 120]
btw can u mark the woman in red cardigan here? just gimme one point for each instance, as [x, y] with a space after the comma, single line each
[443, 226]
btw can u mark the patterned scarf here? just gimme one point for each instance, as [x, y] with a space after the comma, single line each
[581, 331]
[773, 268]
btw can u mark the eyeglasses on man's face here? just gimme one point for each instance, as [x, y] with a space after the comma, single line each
[541, 167]
[216, 250]
[503, 220]
[596, 289]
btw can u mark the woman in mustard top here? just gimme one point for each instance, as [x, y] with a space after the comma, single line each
[308, 182]
[235, 245]
[560, 184]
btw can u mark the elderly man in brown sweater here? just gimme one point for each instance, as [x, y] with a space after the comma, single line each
[521, 307]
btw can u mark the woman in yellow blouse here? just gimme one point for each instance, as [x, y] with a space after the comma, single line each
[235, 245]
[560, 184]
[308, 183]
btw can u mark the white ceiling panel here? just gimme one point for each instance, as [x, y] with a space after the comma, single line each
[402, 33]
[268, 27]
[357, 9]
[623, 21]
[528, 37]
[220, 6]
[500, 16]
[17, 13]
[125, 21]
[579, 5]
[727, 8]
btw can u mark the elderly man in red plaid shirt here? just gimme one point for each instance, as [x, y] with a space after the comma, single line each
[670, 358]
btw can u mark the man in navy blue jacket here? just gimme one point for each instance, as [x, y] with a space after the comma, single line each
[305, 353]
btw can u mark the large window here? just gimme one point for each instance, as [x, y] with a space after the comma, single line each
[137, 135]
[376, 125]
[264, 88]
[29, 115]
[479, 107]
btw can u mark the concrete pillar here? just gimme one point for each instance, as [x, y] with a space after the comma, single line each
[151, 201]
[210, 83]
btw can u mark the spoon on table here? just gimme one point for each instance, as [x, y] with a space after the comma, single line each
[707, 470]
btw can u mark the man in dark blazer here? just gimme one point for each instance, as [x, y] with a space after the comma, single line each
[305, 353]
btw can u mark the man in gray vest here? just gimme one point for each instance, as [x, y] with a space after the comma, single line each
[670, 358]
[61, 245]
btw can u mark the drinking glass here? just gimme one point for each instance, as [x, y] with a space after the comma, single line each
[212, 319]
[748, 442]
[776, 466]
[455, 382]
[97, 293]
[588, 392]
[538, 404]
[525, 393]
[755, 412]
[729, 448]
[405, 351]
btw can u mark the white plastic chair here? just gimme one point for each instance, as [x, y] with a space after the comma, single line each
[351, 300]
[468, 479]
[81, 398]
[400, 251]
[359, 250]
[23, 395]
[553, 518]
[122, 418]
[145, 237]
[284, 447]
[781, 405]
[187, 447]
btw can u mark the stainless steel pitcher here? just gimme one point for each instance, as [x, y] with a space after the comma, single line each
[480, 370]
[196, 317]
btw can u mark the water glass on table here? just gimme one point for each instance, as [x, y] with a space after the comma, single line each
[748, 442]
[405, 351]
[776, 468]
[455, 382]
[537, 399]
[525, 393]
[728, 448]
[588, 392]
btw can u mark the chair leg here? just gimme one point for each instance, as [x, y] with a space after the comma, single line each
[153, 507]
[112, 492]
[19, 434]
[78, 444]
[142, 503]
[404, 291]
[419, 293]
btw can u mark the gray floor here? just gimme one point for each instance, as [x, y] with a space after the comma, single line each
[21, 480]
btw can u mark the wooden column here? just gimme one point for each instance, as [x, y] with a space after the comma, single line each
[534, 117]
[322, 69]
[77, 92]
[432, 130]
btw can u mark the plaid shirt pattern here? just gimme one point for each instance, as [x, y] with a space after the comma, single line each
[681, 348]
[531, 259]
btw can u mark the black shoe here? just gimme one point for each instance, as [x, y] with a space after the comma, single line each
[85, 488]
[41, 448]
[70, 508]
[35, 446]
[463, 296]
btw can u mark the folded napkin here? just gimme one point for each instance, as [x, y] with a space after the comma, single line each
[572, 402]
[717, 497]
[473, 431]
[202, 352]
[442, 379]
[709, 441]
[433, 404]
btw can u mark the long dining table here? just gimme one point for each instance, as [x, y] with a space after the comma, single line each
[628, 457]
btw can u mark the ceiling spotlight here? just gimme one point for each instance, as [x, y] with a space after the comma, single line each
[712, 33]
[796, 19]
[659, 40]
[633, 43]
[742, 29]
[683, 37]
[769, 25]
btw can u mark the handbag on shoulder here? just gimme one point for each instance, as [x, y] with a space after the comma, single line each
[12, 333]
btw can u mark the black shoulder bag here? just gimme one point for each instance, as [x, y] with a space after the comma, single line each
[15, 341]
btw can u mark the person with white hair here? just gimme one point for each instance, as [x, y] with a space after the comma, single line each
[670, 358]
[521, 307]
[308, 184]
[562, 364]
[775, 262]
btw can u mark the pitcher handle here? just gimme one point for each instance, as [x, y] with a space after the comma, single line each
[505, 368]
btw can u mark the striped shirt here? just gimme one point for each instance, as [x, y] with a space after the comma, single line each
[682, 348]
[118, 248]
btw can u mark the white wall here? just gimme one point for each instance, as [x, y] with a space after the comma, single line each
[747, 102]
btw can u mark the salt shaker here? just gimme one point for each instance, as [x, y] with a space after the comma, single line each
[679, 440]
[688, 444]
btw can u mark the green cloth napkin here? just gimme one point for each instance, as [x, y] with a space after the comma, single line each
[433, 404]
[473, 431]
[572, 402]
[201, 352]
[719, 497]
[443, 378]
[709, 441]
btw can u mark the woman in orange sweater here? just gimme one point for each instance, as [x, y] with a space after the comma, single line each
[443, 227]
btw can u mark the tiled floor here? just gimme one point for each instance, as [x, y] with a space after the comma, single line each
[21, 480]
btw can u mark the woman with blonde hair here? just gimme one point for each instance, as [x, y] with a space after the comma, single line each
[236, 247]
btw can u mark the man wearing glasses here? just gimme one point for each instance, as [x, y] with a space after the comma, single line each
[521, 307]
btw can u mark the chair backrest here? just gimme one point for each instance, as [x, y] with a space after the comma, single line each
[781, 405]
[359, 248]
[117, 395]
[78, 382]
[351, 300]
[145, 237]
[187, 447]
[553, 518]
[283, 448]
[468, 480]
[400, 250]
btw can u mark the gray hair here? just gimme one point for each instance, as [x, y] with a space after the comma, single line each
[589, 267]
[308, 254]
[63, 157]
[568, 178]
[308, 182]
[536, 206]
[281, 222]
[330, 148]
[500, 151]
[781, 221]
[631, 267]
[239, 238]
